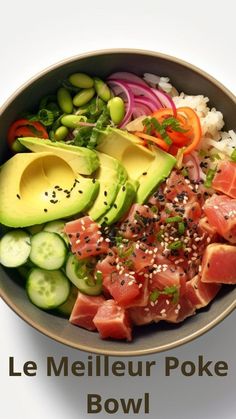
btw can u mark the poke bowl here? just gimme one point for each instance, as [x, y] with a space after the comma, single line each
[118, 202]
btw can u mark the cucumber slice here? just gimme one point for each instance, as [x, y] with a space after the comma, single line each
[48, 250]
[66, 308]
[15, 248]
[47, 290]
[57, 227]
[80, 274]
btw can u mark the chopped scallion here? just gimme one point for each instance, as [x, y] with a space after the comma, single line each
[176, 219]
[233, 156]
[175, 245]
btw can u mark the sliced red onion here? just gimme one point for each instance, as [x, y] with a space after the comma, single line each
[191, 162]
[147, 102]
[165, 100]
[140, 110]
[125, 76]
[116, 85]
[140, 90]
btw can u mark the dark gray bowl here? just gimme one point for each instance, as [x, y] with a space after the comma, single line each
[185, 77]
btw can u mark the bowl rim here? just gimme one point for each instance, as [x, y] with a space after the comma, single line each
[43, 330]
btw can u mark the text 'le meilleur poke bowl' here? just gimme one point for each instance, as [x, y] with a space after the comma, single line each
[118, 202]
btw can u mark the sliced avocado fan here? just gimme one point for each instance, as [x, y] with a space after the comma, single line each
[81, 159]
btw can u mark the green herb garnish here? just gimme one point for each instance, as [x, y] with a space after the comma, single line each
[181, 228]
[171, 291]
[175, 219]
[209, 177]
[184, 172]
[175, 245]
[233, 156]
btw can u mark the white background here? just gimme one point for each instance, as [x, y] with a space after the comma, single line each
[34, 35]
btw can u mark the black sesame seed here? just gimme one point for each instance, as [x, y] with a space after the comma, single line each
[80, 191]
[94, 180]
[45, 210]
[144, 173]
[105, 193]
[18, 196]
[46, 193]
[123, 188]
[115, 206]
[105, 203]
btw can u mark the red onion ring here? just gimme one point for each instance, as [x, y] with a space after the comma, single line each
[124, 89]
[139, 90]
[165, 100]
[147, 102]
[125, 76]
[140, 110]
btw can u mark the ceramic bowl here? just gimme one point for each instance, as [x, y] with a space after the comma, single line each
[185, 77]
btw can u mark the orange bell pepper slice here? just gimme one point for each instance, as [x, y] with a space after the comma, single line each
[161, 143]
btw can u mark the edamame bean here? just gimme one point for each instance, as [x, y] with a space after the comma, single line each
[81, 80]
[102, 89]
[83, 97]
[72, 121]
[64, 100]
[61, 133]
[116, 108]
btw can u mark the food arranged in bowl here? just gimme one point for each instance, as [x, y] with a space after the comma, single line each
[120, 203]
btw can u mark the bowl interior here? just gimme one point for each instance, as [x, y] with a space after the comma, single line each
[185, 78]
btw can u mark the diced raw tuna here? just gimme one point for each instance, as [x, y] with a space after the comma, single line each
[178, 187]
[163, 309]
[122, 287]
[206, 227]
[141, 256]
[85, 238]
[225, 178]
[84, 310]
[221, 213]
[140, 221]
[167, 274]
[219, 264]
[112, 321]
[192, 212]
[200, 294]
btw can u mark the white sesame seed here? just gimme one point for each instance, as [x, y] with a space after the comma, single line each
[77, 241]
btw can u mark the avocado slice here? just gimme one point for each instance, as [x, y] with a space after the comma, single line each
[128, 149]
[110, 175]
[39, 187]
[123, 202]
[88, 160]
[157, 172]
